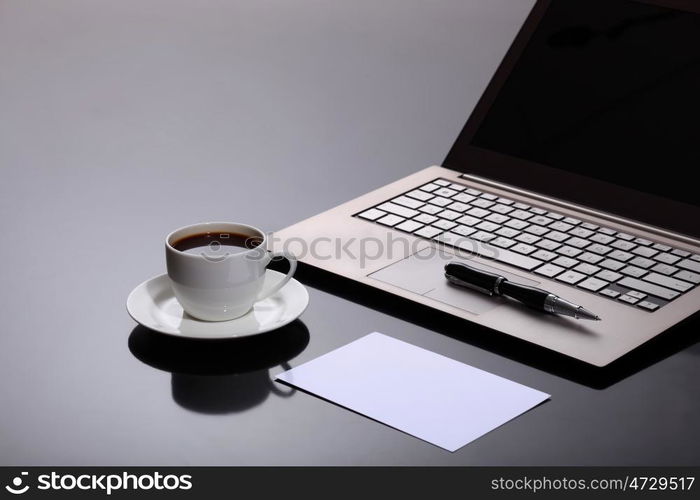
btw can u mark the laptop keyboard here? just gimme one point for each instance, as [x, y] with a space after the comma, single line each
[600, 260]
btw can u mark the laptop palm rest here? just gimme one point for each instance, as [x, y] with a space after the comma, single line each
[423, 273]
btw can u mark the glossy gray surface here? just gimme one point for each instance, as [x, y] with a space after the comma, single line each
[123, 120]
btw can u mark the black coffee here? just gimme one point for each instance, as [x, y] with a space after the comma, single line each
[216, 244]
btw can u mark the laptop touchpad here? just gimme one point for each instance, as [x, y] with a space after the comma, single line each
[423, 273]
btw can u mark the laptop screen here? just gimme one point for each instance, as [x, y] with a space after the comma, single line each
[608, 89]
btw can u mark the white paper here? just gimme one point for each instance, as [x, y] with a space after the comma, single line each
[429, 396]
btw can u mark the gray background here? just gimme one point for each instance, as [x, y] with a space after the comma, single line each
[120, 121]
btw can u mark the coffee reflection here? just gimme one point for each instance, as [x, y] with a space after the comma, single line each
[221, 376]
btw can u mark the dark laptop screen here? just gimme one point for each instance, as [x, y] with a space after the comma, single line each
[608, 89]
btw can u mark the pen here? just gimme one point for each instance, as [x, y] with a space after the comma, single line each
[494, 284]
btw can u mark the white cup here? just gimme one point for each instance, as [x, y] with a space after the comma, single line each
[219, 286]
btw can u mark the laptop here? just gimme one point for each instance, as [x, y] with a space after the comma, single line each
[575, 173]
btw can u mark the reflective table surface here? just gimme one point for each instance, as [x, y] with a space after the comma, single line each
[124, 120]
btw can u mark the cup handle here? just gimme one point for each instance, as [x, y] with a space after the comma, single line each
[274, 385]
[292, 268]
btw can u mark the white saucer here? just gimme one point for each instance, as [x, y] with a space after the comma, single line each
[153, 305]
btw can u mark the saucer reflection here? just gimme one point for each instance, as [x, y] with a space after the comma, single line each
[221, 376]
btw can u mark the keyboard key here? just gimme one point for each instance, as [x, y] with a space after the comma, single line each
[428, 232]
[468, 220]
[665, 269]
[391, 220]
[482, 203]
[648, 288]
[457, 187]
[541, 220]
[440, 201]
[608, 292]
[636, 295]
[622, 244]
[419, 195]
[458, 206]
[489, 196]
[444, 224]
[430, 209]
[572, 221]
[688, 276]
[483, 236]
[560, 226]
[668, 282]
[442, 182]
[523, 248]
[645, 251]
[649, 306]
[472, 191]
[463, 230]
[537, 230]
[527, 238]
[589, 257]
[642, 262]
[449, 214]
[409, 226]
[557, 236]
[407, 202]
[607, 230]
[548, 244]
[463, 197]
[667, 258]
[507, 232]
[628, 298]
[565, 262]
[661, 248]
[549, 270]
[608, 275]
[501, 209]
[695, 257]
[603, 239]
[690, 265]
[395, 209]
[429, 187]
[680, 253]
[612, 264]
[577, 242]
[425, 218]
[544, 255]
[571, 277]
[635, 272]
[372, 214]
[569, 251]
[478, 212]
[554, 215]
[643, 242]
[497, 218]
[593, 284]
[505, 201]
[489, 227]
[520, 214]
[581, 232]
[538, 211]
[588, 225]
[521, 206]
[502, 242]
[625, 236]
[598, 248]
[517, 224]
[587, 268]
[620, 255]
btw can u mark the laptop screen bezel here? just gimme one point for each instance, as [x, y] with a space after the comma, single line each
[555, 182]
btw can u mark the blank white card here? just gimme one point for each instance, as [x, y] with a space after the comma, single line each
[424, 394]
